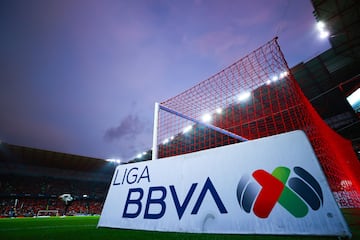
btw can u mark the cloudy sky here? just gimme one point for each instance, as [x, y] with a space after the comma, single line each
[82, 77]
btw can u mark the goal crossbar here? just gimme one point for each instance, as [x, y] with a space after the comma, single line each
[169, 110]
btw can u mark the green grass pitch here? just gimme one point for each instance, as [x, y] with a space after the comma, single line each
[63, 228]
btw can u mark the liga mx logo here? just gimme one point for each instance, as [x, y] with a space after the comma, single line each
[296, 194]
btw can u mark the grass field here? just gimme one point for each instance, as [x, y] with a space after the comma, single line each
[58, 228]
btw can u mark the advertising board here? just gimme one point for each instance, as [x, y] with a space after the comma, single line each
[272, 185]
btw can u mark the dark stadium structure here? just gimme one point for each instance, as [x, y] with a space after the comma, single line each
[32, 180]
[330, 77]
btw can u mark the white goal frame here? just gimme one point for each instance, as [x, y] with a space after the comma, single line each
[159, 107]
[47, 211]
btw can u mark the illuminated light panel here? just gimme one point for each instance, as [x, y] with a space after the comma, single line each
[320, 25]
[139, 155]
[114, 160]
[219, 110]
[354, 99]
[275, 78]
[283, 74]
[244, 96]
[324, 33]
[187, 129]
[167, 140]
[206, 117]
[268, 82]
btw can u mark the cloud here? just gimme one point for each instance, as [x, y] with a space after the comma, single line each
[224, 45]
[129, 127]
[131, 136]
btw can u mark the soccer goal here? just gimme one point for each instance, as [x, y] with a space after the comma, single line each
[255, 97]
[47, 213]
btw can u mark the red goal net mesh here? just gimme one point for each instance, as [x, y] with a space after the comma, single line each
[256, 97]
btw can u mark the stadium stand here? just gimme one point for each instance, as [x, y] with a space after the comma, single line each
[32, 180]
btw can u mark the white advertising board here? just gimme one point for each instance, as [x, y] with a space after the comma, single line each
[272, 185]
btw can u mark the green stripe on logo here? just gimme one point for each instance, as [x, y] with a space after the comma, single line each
[288, 199]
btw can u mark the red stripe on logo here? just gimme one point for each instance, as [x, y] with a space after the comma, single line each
[269, 194]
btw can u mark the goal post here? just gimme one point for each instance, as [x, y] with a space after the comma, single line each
[155, 131]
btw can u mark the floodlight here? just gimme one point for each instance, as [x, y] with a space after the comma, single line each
[206, 117]
[172, 138]
[187, 129]
[165, 141]
[139, 155]
[320, 25]
[268, 82]
[283, 74]
[275, 78]
[244, 96]
[218, 110]
[113, 160]
[324, 34]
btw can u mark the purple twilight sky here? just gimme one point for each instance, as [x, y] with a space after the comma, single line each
[82, 77]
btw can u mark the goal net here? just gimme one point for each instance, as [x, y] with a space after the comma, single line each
[254, 97]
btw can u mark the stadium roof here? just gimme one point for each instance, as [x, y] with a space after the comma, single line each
[20, 155]
[330, 77]
[342, 19]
